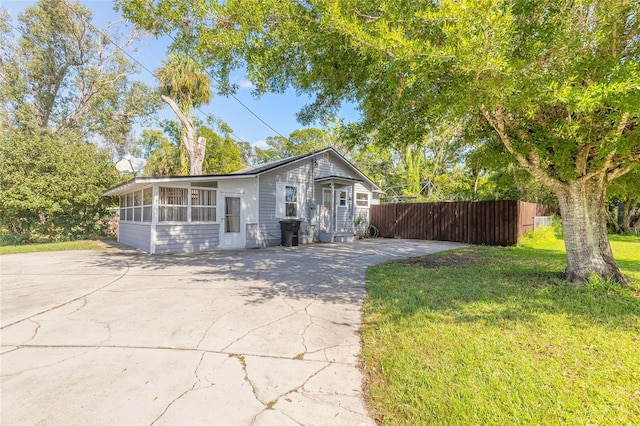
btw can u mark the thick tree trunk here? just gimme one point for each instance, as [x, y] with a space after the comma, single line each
[195, 146]
[584, 221]
[197, 158]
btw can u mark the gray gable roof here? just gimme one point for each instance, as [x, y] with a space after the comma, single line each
[265, 167]
[254, 171]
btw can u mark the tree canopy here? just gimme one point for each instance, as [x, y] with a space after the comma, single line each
[59, 74]
[67, 108]
[51, 188]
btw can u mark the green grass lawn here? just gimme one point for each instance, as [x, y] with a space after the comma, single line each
[69, 245]
[498, 338]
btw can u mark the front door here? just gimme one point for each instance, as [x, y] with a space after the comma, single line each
[233, 223]
[342, 217]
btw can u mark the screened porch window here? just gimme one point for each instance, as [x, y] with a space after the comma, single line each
[173, 204]
[136, 206]
[203, 205]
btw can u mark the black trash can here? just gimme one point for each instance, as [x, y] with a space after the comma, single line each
[289, 228]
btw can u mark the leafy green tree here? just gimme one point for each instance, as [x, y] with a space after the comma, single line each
[58, 74]
[185, 85]
[162, 150]
[556, 81]
[299, 142]
[224, 155]
[51, 187]
[162, 155]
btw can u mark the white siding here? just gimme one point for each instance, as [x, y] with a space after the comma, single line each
[187, 238]
[136, 235]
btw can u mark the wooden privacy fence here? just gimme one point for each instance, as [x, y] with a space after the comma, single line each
[500, 223]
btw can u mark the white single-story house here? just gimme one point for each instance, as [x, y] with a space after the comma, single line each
[183, 214]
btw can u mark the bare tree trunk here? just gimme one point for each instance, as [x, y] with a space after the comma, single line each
[584, 219]
[195, 146]
[634, 224]
[184, 156]
[626, 214]
[476, 181]
[611, 220]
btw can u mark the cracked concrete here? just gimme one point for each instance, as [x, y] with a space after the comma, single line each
[250, 337]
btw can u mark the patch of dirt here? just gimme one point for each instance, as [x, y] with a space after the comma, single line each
[436, 260]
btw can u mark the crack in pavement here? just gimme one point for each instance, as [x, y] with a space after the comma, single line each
[206, 332]
[91, 349]
[270, 405]
[35, 332]
[198, 380]
[324, 353]
[70, 301]
[259, 327]
[84, 304]
[254, 391]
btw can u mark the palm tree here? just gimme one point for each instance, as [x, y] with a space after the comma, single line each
[184, 85]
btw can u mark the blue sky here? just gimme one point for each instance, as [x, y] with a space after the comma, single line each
[278, 110]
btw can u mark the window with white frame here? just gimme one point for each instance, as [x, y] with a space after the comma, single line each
[343, 198]
[203, 205]
[288, 200]
[362, 199]
[173, 204]
[136, 206]
[291, 201]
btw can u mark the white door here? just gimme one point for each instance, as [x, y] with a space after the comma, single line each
[343, 211]
[233, 222]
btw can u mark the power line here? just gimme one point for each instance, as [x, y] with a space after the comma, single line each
[152, 74]
[231, 94]
[234, 96]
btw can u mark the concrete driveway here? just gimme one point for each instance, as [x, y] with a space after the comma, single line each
[247, 337]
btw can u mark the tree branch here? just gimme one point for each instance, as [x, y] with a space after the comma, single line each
[617, 172]
[582, 159]
[606, 164]
[531, 164]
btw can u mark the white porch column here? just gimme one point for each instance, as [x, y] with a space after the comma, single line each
[334, 222]
[353, 207]
[154, 217]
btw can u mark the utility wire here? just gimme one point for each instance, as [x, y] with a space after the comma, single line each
[231, 94]
[152, 74]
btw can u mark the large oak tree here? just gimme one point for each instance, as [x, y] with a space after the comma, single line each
[556, 82]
